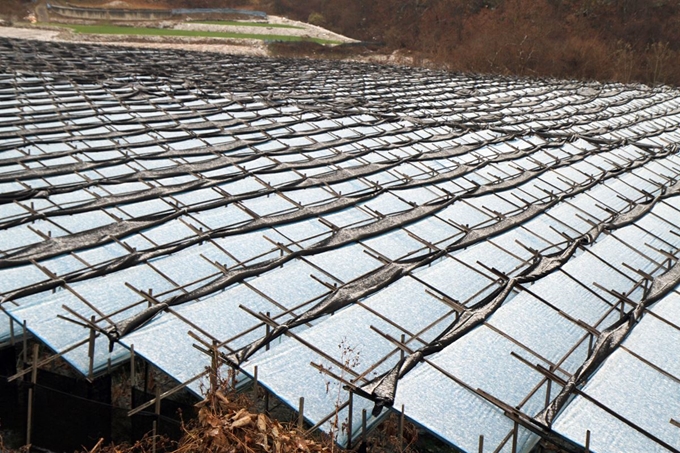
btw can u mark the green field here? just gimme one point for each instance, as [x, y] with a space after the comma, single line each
[140, 31]
[236, 23]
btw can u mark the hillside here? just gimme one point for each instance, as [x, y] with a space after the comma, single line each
[626, 40]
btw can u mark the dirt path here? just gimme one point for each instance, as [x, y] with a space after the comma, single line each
[29, 33]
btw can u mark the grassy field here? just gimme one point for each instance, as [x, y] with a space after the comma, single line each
[236, 23]
[140, 31]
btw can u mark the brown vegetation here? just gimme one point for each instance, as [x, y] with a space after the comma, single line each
[230, 422]
[13, 10]
[622, 40]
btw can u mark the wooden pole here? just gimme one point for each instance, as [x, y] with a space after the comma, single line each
[481, 443]
[363, 425]
[301, 413]
[401, 429]
[255, 383]
[349, 419]
[266, 401]
[11, 331]
[90, 351]
[587, 449]
[403, 341]
[213, 368]
[267, 331]
[158, 412]
[34, 378]
[25, 338]
[514, 437]
[133, 379]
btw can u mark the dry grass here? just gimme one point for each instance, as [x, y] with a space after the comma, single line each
[229, 422]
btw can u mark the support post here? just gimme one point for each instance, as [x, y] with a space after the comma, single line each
[158, 412]
[11, 331]
[266, 401]
[255, 383]
[301, 413]
[133, 380]
[146, 379]
[25, 337]
[213, 368]
[90, 351]
[363, 425]
[267, 332]
[401, 429]
[515, 428]
[587, 449]
[31, 390]
[350, 409]
[481, 443]
[403, 341]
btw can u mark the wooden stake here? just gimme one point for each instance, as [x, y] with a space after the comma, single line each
[363, 425]
[31, 389]
[266, 401]
[11, 331]
[213, 368]
[255, 383]
[403, 341]
[133, 380]
[349, 419]
[514, 437]
[401, 429]
[301, 413]
[90, 352]
[25, 345]
[155, 422]
[267, 331]
[587, 449]
[481, 443]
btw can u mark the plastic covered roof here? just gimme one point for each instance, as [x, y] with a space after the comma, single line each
[496, 256]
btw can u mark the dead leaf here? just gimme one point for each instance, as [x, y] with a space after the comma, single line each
[261, 422]
[244, 421]
[239, 414]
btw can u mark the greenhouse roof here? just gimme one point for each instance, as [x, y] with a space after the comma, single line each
[494, 256]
